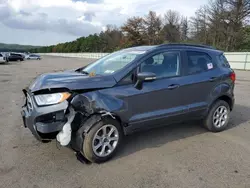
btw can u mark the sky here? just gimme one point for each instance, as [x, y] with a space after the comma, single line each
[47, 22]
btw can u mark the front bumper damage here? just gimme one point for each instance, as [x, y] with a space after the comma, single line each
[44, 122]
[67, 122]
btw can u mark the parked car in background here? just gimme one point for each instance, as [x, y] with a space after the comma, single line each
[90, 109]
[15, 57]
[3, 58]
[34, 56]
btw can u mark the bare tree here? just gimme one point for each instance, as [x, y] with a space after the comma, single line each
[134, 30]
[200, 26]
[172, 17]
[184, 29]
[171, 28]
[238, 11]
[153, 25]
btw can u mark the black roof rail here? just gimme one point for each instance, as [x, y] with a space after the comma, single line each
[185, 44]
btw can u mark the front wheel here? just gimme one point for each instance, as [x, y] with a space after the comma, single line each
[218, 116]
[102, 141]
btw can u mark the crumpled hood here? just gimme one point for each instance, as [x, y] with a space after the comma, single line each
[71, 80]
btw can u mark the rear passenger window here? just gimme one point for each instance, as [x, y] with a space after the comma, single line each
[199, 62]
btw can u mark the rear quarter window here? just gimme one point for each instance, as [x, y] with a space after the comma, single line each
[222, 61]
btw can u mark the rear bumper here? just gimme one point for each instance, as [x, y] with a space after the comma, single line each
[44, 122]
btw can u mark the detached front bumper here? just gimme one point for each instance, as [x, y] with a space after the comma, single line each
[44, 122]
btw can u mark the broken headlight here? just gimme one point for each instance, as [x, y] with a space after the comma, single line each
[53, 98]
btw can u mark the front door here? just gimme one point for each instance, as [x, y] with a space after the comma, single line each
[160, 101]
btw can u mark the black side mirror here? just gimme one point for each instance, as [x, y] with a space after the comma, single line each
[144, 77]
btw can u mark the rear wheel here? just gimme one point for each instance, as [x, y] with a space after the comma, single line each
[218, 116]
[102, 141]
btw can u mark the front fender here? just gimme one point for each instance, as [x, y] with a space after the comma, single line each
[96, 102]
[93, 106]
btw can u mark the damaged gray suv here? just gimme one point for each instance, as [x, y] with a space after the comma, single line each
[90, 109]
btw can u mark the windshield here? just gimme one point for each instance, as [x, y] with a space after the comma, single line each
[113, 62]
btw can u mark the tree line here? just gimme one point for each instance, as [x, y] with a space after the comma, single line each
[16, 47]
[223, 24]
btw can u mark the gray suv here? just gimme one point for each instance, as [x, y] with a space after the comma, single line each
[90, 109]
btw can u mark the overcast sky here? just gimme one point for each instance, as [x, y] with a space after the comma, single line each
[46, 22]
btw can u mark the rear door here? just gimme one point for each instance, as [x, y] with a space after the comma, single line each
[201, 78]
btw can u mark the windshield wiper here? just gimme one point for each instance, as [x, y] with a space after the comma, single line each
[84, 72]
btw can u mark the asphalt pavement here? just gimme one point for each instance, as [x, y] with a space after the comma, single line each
[183, 155]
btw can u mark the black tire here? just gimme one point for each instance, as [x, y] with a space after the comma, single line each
[88, 138]
[208, 122]
[46, 141]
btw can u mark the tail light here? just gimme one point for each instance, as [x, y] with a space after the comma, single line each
[233, 76]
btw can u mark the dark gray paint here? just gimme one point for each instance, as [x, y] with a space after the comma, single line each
[158, 102]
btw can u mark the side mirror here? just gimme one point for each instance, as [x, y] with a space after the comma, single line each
[144, 77]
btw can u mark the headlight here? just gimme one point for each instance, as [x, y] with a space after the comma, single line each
[54, 98]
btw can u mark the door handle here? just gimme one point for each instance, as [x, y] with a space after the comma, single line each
[173, 86]
[212, 79]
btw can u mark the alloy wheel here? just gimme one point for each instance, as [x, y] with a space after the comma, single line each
[220, 116]
[105, 140]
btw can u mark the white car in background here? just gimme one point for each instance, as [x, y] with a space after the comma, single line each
[3, 58]
[33, 56]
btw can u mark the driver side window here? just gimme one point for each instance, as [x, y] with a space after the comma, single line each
[164, 64]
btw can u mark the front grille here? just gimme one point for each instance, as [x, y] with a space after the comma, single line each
[29, 103]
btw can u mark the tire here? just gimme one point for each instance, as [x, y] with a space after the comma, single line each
[46, 141]
[89, 141]
[215, 121]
